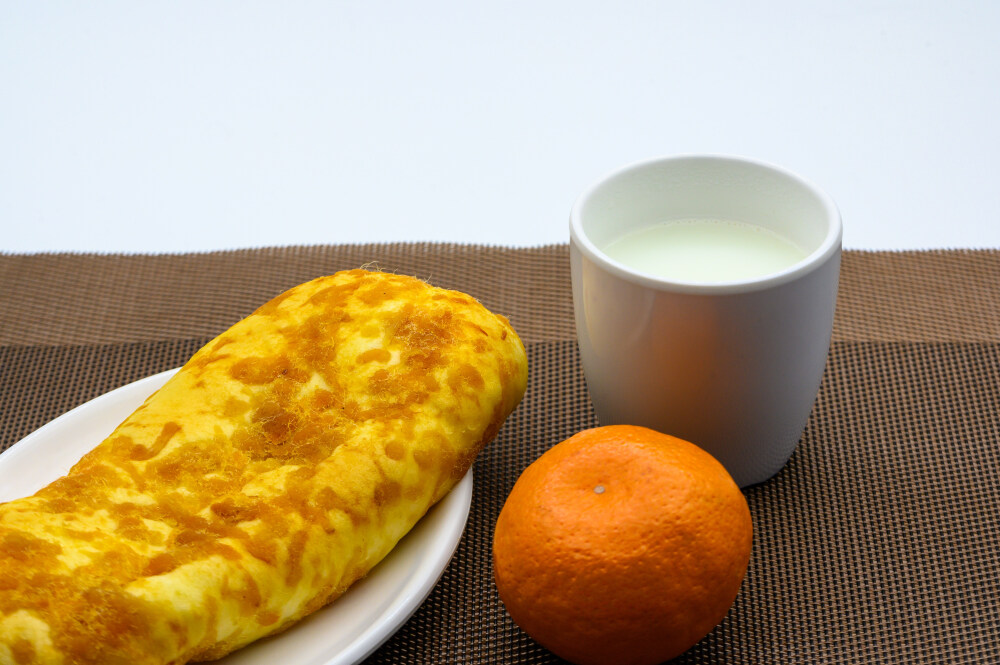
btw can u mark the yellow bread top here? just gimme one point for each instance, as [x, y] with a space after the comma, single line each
[278, 466]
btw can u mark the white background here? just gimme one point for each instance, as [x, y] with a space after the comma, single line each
[176, 126]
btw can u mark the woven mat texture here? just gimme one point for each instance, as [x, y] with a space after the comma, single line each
[878, 542]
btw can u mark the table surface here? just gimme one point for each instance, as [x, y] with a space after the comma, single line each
[877, 542]
[173, 127]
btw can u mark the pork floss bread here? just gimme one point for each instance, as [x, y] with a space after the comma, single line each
[278, 466]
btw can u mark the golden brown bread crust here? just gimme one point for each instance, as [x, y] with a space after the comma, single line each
[281, 463]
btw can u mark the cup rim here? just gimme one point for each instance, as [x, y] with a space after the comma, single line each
[831, 243]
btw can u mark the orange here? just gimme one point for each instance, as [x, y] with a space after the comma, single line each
[621, 545]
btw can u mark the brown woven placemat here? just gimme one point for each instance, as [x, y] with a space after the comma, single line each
[54, 299]
[878, 542]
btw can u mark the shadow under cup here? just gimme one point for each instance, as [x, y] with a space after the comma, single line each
[733, 367]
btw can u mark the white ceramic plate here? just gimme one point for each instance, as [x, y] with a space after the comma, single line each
[344, 632]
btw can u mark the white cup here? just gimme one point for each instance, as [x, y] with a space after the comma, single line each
[733, 367]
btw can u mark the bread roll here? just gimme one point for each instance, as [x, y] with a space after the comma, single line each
[278, 466]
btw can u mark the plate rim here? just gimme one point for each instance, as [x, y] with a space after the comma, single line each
[447, 518]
